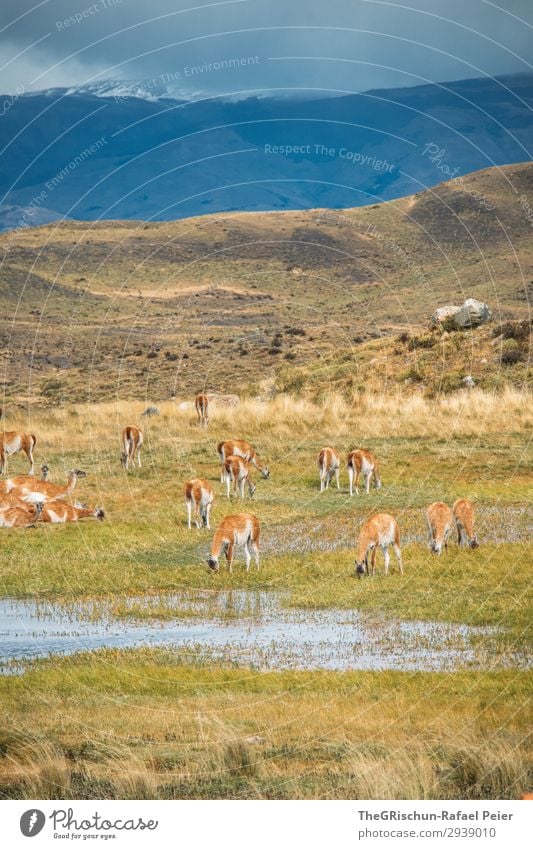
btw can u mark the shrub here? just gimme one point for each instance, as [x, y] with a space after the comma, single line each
[511, 352]
[425, 341]
[518, 330]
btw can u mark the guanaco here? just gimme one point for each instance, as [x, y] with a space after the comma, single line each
[33, 490]
[199, 497]
[329, 464]
[201, 404]
[59, 512]
[20, 515]
[239, 448]
[237, 471]
[242, 529]
[132, 440]
[380, 530]
[463, 511]
[12, 441]
[439, 519]
[361, 462]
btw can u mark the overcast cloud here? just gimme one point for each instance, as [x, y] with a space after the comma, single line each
[276, 45]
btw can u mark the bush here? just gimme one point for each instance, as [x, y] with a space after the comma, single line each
[518, 330]
[426, 341]
[511, 352]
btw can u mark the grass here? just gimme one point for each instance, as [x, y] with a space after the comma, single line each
[157, 724]
[151, 724]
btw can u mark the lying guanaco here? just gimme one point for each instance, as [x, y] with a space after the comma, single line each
[9, 484]
[329, 464]
[242, 529]
[59, 512]
[361, 462]
[20, 515]
[439, 519]
[463, 511]
[381, 530]
[12, 441]
[199, 497]
[132, 440]
[239, 448]
[201, 404]
[237, 471]
[33, 490]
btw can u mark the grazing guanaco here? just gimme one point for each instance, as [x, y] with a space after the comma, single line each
[237, 471]
[33, 490]
[239, 448]
[199, 497]
[132, 440]
[381, 530]
[12, 441]
[329, 464]
[201, 404]
[361, 462]
[463, 511]
[439, 519]
[20, 515]
[242, 529]
[59, 512]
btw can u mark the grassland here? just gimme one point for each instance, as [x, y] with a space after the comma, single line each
[155, 723]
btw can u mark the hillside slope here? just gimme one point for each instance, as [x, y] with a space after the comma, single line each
[149, 310]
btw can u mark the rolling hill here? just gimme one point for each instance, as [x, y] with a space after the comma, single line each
[247, 302]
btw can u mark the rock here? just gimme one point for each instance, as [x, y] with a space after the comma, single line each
[151, 411]
[443, 316]
[469, 381]
[186, 405]
[472, 314]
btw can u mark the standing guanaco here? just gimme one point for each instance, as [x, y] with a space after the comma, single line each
[361, 462]
[239, 448]
[12, 441]
[201, 404]
[199, 497]
[237, 471]
[380, 530]
[242, 529]
[329, 464]
[132, 440]
[439, 519]
[463, 511]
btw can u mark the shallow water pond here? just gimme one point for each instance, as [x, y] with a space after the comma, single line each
[245, 628]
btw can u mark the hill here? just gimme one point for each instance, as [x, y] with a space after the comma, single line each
[89, 157]
[240, 301]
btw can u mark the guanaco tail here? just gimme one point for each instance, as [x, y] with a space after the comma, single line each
[242, 529]
[463, 512]
[329, 464]
[381, 530]
[199, 497]
[201, 404]
[361, 462]
[242, 449]
[439, 519]
[132, 440]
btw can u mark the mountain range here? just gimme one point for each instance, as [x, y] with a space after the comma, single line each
[131, 151]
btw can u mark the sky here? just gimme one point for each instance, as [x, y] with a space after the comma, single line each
[239, 48]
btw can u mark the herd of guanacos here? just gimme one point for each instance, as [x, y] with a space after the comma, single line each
[24, 499]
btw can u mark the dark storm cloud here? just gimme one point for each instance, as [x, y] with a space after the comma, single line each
[246, 45]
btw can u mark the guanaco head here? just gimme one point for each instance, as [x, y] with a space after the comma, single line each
[124, 460]
[45, 472]
[212, 562]
[265, 472]
[38, 508]
[77, 473]
[99, 514]
[360, 568]
[436, 547]
[473, 543]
